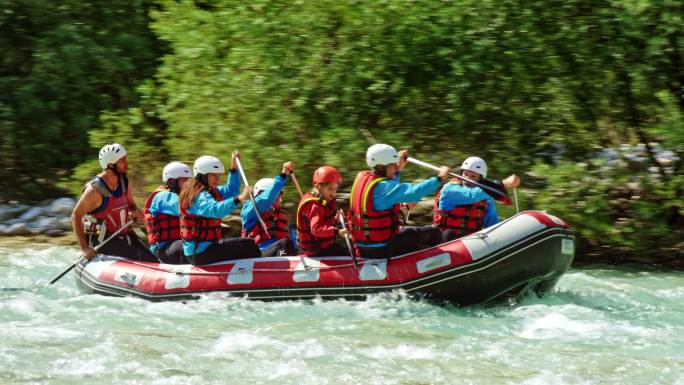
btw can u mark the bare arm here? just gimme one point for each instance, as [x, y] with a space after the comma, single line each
[89, 201]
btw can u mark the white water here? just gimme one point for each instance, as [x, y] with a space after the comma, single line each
[600, 326]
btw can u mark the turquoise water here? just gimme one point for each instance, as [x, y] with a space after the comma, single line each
[600, 326]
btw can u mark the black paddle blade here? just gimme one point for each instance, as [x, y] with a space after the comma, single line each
[501, 193]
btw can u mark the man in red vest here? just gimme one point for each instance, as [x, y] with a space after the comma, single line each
[375, 206]
[105, 206]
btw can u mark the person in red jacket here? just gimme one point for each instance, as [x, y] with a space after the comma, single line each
[317, 214]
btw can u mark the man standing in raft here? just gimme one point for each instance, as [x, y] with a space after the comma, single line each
[105, 205]
[462, 208]
[162, 215]
[203, 203]
[268, 194]
[375, 206]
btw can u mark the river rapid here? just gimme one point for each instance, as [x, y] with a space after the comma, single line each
[600, 325]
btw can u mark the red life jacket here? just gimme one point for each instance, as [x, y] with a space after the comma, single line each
[113, 211]
[310, 244]
[196, 229]
[276, 222]
[367, 224]
[463, 220]
[162, 227]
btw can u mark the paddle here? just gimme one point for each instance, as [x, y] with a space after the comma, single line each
[96, 248]
[294, 180]
[498, 190]
[340, 214]
[251, 197]
[515, 199]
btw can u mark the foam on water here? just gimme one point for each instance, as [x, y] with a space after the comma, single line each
[600, 325]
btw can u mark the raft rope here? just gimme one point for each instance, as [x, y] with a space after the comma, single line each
[239, 271]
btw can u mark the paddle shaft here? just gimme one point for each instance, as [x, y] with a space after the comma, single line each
[251, 197]
[294, 180]
[435, 168]
[346, 238]
[515, 199]
[96, 248]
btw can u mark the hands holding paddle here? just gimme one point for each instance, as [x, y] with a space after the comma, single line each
[88, 252]
[512, 181]
[442, 171]
[288, 168]
[233, 163]
[246, 192]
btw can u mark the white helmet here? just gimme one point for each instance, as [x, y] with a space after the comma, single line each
[110, 154]
[175, 170]
[475, 164]
[207, 164]
[263, 184]
[382, 154]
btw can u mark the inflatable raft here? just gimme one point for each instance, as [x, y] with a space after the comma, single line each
[529, 251]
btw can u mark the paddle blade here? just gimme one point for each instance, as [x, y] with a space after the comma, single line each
[502, 195]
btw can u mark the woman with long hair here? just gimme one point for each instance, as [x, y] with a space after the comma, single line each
[202, 205]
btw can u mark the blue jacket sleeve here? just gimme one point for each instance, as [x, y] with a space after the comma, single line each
[232, 186]
[264, 201]
[206, 206]
[491, 216]
[390, 192]
[165, 202]
[454, 194]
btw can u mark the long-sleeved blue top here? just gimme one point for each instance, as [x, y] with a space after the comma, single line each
[456, 194]
[389, 192]
[206, 206]
[164, 202]
[264, 201]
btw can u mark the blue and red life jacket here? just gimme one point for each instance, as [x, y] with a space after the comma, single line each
[161, 227]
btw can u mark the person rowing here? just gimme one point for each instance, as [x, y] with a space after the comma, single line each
[374, 211]
[268, 195]
[203, 203]
[105, 207]
[162, 213]
[462, 208]
[317, 216]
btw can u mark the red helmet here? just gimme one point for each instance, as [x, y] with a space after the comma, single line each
[327, 174]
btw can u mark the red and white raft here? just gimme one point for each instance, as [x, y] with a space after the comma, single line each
[529, 251]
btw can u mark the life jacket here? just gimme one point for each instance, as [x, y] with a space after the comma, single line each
[275, 221]
[112, 214]
[310, 244]
[162, 227]
[462, 220]
[367, 224]
[196, 229]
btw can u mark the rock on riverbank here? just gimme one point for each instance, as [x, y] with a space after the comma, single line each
[51, 219]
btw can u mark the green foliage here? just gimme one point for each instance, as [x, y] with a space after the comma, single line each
[614, 205]
[540, 85]
[62, 64]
